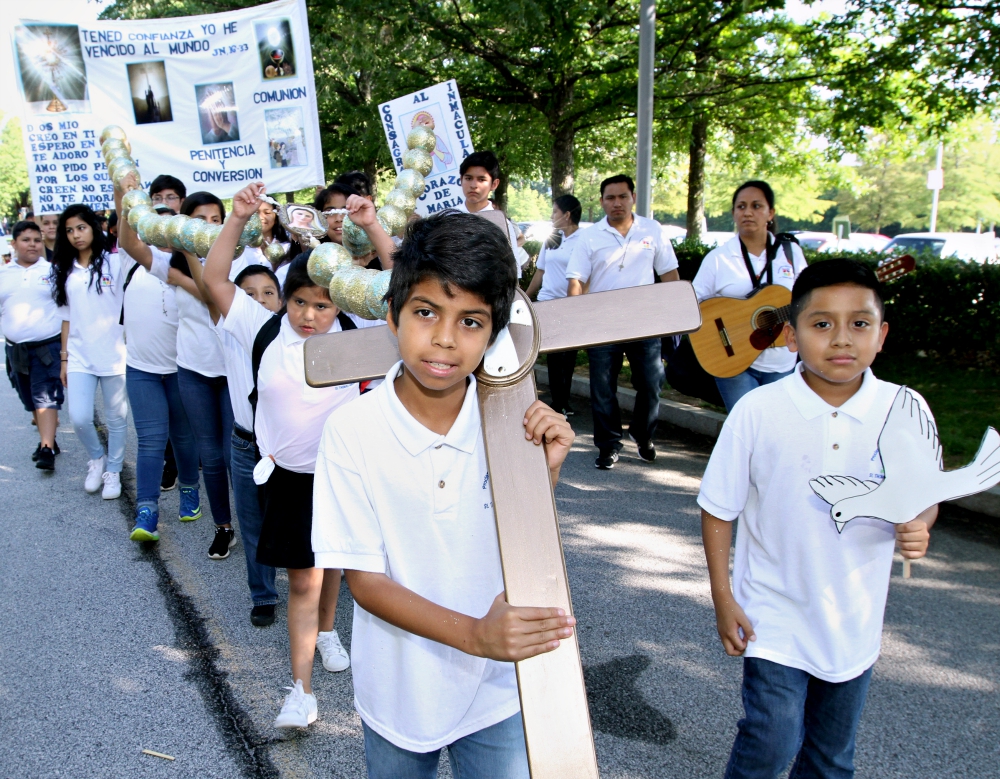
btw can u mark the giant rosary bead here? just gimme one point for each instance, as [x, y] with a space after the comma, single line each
[418, 160]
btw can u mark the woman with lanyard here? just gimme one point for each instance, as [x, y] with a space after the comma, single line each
[273, 232]
[549, 282]
[201, 377]
[746, 262]
[90, 283]
[149, 314]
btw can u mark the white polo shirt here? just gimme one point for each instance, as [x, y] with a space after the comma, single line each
[724, 274]
[393, 497]
[96, 342]
[150, 316]
[520, 255]
[609, 261]
[815, 597]
[553, 263]
[290, 413]
[239, 373]
[28, 313]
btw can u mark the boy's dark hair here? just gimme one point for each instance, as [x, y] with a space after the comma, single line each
[569, 205]
[356, 180]
[829, 273]
[336, 188]
[298, 277]
[22, 226]
[197, 199]
[481, 159]
[619, 179]
[457, 249]
[165, 181]
[257, 270]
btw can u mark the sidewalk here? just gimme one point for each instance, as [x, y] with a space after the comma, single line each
[709, 423]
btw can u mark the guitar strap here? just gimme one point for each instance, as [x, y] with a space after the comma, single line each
[770, 253]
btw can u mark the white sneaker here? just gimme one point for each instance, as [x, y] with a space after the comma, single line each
[112, 486]
[298, 710]
[95, 470]
[335, 657]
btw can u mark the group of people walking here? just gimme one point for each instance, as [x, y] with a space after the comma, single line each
[386, 481]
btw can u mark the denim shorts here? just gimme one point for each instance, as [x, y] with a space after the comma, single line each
[41, 387]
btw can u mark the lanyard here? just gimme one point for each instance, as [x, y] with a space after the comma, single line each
[769, 254]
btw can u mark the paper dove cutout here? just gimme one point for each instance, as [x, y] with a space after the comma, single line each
[915, 479]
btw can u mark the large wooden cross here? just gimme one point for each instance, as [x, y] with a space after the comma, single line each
[553, 697]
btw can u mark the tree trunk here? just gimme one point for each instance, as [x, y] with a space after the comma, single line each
[696, 177]
[562, 160]
[371, 171]
[500, 193]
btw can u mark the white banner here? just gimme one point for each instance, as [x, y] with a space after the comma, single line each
[217, 101]
[442, 104]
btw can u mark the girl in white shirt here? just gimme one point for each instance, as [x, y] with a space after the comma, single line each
[273, 232]
[549, 282]
[201, 377]
[288, 423]
[726, 272]
[89, 280]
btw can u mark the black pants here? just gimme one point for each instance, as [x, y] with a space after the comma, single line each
[561, 365]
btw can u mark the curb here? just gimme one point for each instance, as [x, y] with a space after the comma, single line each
[700, 420]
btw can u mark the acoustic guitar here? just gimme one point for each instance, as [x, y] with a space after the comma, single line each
[735, 331]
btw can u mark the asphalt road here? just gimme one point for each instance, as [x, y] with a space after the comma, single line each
[107, 649]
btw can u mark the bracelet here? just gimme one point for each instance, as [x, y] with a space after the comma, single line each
[64, 354]
[64, 361]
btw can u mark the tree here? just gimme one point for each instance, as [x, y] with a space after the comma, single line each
[14, 187]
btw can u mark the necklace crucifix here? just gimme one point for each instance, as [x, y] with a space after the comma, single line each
[557, 727]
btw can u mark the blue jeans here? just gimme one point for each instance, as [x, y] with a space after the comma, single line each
[791, 714]
[647, 378]
[206, 401]
[158, 415]
[81, 391]
[260, 578]
[496, 752]
[735, 387]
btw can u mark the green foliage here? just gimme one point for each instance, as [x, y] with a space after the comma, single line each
[527, 205]
[14, 190]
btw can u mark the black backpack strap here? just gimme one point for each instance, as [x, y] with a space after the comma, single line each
[128, 280]
[263, 339]
[346, 323]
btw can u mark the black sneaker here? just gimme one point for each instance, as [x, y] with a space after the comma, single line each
[46, 460]
[606, 460]
[168, 480]
[262, 616]
[34, 454]
[225, 539]
[647, 453]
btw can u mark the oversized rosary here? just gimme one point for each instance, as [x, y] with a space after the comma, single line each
[353, 289]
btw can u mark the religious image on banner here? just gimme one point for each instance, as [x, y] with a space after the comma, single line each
[431, 116]
[150, 93]
[51, 68]
[217, 112]
[286, 137]
[439, 106]
[277, 51]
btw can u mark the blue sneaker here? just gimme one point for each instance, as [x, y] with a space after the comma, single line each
[145, 525]
[190, 504]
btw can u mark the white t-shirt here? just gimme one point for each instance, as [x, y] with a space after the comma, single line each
[724, 274]
[290, 413]
[28, 313]
[393, 497]
[198, 349]
[151, 316]
[239, 372]
[553, 262]
[609, 261]
[96, 341]
[815, 597]
[520, 255]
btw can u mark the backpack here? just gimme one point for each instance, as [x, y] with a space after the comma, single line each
[264, 338]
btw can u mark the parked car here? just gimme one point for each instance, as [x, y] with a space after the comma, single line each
[816, 241]
[858, 242]
[962, 246]
[673, 233]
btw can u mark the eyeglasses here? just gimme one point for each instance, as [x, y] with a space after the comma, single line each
[166, 198]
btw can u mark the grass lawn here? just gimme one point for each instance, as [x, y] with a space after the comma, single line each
[964, 401]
